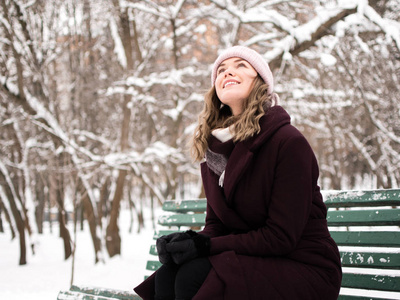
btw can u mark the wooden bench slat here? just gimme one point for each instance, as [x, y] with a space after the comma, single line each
[351, 259]
[74, 295]
[363, 198]
[198, 205]
[104, 292]
[153, 250]
[160, 233]
[372, 282]
[182, 220]
[354, 297]
[367, 238]
[152, 265]
[370, 260]
[332, 199]
[69, 295]
[379, 217]
[345, 238]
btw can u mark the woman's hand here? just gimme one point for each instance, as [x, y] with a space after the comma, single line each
[161, 244]
[185, 250]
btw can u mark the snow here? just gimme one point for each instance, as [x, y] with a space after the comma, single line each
[47, 272]
[391, 28]
[119, 49]
[328, 59]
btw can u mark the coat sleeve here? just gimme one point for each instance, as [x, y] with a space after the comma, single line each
[213, 227]
[296, 174]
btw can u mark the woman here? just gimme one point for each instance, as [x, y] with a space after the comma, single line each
[266, 235]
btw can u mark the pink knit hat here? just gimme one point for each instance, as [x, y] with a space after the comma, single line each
[252, 57]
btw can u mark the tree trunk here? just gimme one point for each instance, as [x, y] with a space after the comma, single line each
[90, 216]
[113, 241]
[4, 209]
[18, 220]
[64, 234]
[1, 220]
[39, 209]
[57, 196]
[104, 196]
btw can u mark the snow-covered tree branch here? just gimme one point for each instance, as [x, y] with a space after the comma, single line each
[99, 99]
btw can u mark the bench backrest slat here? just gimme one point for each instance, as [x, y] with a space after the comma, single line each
[354, 259]
[198, 205]
[363, 198]
[370, 260]
[371, 282]
[159, 233]
[69, 295]
[367, 238]
[381, 217]
[102, 293]
[153, 265]
[183, 220]
[356, 297]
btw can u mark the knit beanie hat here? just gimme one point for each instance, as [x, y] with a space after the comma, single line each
[252, 57]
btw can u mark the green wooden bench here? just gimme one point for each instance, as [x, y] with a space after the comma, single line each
[364, 224]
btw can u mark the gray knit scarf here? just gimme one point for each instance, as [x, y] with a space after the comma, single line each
[217, 163]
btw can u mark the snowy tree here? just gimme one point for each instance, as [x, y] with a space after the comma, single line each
[99, 99]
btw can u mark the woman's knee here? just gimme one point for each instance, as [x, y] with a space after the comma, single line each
[190, 277]
[165, 282]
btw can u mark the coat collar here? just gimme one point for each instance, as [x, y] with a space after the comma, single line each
[242, 153]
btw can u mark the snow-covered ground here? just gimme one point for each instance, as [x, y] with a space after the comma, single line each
[47, 272]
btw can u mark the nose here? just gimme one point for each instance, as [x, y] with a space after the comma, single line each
[229, 72]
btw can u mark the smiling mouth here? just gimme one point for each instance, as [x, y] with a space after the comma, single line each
[230, 83]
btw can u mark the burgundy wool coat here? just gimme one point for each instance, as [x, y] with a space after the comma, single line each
[268, 229]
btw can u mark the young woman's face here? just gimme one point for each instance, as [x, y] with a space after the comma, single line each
[234, 81]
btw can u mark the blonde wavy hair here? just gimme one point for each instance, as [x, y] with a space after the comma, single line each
[216, 115]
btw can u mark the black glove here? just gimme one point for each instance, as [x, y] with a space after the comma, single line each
[185, 250]
[163, 255]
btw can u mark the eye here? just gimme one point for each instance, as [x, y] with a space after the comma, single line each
[241, 65]
[220, 70]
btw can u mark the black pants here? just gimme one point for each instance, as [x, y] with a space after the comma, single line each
[181, 282]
